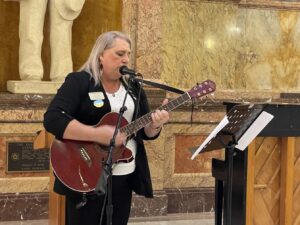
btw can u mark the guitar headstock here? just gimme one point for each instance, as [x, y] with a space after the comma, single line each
[204, 88]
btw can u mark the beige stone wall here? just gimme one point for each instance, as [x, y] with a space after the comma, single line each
[20, 125]
[239, 48]
[250, 50]
[183, 42]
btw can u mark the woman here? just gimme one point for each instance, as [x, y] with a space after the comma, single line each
[83, 99]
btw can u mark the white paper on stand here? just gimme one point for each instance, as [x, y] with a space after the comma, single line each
[217, 129]
[257, 126]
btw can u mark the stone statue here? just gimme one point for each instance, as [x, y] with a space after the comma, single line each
[32, 15]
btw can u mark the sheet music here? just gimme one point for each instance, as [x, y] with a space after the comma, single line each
[258, 125]
[217, 129]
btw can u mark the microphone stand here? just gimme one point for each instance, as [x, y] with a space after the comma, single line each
[104, 184]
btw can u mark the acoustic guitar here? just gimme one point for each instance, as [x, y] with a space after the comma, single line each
[78, 164]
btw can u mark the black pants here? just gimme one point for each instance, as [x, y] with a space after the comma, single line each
[90, 213]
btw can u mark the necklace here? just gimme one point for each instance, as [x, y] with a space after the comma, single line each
[112, 90]
[117, 92]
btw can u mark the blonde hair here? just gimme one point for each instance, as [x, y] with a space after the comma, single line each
[104, 41]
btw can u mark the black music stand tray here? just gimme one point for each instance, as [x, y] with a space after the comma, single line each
[244, 123]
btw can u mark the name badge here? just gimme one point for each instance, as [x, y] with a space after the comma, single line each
[96, 95]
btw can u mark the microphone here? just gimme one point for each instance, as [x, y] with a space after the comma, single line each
[125, 70]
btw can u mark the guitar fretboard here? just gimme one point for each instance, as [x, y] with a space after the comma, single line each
[146, 119]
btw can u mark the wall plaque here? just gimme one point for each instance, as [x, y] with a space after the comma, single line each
[21, 157]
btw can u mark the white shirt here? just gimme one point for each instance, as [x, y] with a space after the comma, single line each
[116, 101]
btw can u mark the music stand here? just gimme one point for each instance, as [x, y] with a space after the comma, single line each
[238, 128]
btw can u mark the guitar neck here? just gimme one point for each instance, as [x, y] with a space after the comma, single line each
[141, 122]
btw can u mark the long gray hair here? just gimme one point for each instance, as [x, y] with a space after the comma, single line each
[104, 41]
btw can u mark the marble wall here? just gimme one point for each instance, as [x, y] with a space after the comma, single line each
[23, 194]
[21, 117]
[182, 42]
[240, 48]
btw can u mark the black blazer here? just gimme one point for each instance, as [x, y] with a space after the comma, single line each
[72, 101]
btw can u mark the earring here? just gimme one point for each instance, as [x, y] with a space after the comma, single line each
[101, 70]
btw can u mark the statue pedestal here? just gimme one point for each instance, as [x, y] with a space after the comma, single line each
[34, 87]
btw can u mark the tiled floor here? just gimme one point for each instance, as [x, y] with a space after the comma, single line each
[176, 219]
